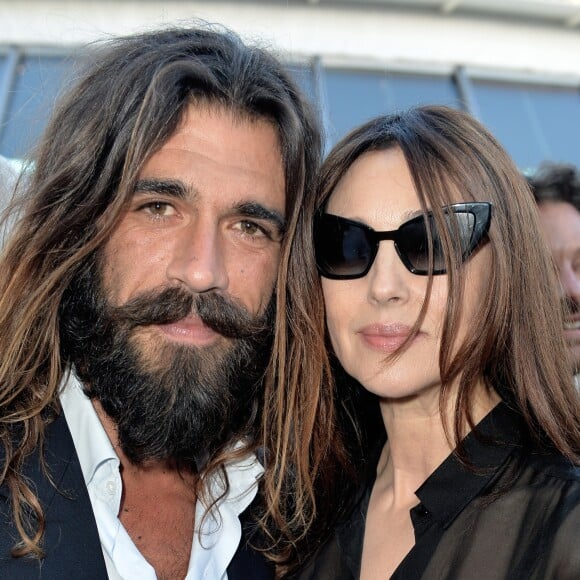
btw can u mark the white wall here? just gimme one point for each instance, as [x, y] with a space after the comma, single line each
[363, 35]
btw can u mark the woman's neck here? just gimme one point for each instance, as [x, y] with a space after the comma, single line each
[417, 443]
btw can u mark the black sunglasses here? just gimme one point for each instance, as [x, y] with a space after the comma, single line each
[346, 249]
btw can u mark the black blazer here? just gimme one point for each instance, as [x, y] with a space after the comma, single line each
[71, 539]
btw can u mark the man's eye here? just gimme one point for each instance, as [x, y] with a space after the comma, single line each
[252, 229]
[158, 208]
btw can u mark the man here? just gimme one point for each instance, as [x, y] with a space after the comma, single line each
[136, 313]
[556, 188]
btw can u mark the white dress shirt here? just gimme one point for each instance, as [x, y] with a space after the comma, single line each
[220, 531]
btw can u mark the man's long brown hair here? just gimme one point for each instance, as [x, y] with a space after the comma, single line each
[121, 110]
[515, 342]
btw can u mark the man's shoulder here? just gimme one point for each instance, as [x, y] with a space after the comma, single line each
[249, 561]
[71, 542]
[58, 453]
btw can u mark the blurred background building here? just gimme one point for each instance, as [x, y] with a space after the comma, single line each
[514, 64]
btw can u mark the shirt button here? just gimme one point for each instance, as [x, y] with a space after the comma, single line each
[111, 487]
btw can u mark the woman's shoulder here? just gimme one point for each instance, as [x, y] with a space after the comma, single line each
[531, 458]
[552, 498]
[547, 466]
[548, 483]
[555, 466]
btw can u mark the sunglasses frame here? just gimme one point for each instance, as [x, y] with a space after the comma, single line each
[481, 210]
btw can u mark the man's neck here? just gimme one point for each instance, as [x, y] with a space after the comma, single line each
[157, 508]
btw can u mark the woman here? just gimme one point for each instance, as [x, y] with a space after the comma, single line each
[440, 300]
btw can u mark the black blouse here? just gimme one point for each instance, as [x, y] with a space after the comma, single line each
[515, 516]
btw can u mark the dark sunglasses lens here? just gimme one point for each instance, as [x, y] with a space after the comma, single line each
[342, 248]
[413, 241]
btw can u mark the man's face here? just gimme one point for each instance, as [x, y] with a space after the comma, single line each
[169, 326]
[561, 224]
[207, 217]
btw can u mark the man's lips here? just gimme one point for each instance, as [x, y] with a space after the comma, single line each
[190, 330]
[385, 338]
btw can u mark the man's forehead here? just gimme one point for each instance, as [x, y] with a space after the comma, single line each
[224, 131]
[560, 222]
[237, 116]
[559, 212]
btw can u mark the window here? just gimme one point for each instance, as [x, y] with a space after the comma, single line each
[35, 80]
[533, 122]
[354, 97]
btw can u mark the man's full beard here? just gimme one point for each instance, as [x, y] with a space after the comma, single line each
[169, 401]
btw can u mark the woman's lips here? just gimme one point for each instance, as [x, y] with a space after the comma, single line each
[385, 338]
[189, 330]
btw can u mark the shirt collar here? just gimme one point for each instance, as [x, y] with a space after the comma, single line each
[453, 486]
[91, 441]
[218, 532]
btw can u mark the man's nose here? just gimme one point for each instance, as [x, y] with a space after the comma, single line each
[198, 260]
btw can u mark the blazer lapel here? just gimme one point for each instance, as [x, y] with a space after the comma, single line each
[248, 562]
[71, 539]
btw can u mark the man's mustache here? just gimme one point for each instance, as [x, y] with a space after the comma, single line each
[173, 304]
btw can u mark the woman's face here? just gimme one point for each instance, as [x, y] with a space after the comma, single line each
[369, 317]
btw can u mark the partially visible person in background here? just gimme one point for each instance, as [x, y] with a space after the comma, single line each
[556, 188]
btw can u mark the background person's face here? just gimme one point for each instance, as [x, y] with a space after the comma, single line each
[561, 225]
[206, 217]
